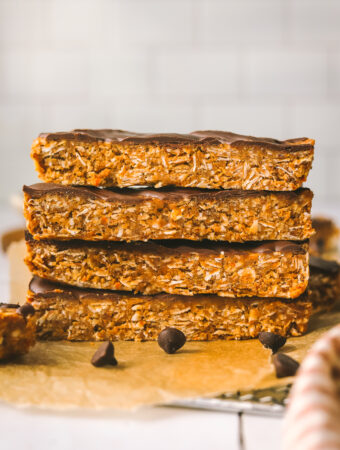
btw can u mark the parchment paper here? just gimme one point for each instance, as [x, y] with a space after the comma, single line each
[59, 375]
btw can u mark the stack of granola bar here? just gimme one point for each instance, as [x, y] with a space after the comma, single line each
[206, 232]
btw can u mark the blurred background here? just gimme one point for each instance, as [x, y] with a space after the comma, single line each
[261, 67]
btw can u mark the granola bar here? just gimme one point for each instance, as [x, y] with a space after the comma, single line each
[269, 269]
[17, 330]
[324, 284]
[325, 241]
[67, 212]
[204, 159]
[66, 312]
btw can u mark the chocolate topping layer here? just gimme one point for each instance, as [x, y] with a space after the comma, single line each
[323, 265]
[9, 305]
[130, 195]
[181, 246]
[46, 288]
[197, 137]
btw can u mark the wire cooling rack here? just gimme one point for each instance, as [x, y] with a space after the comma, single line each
[265, 402]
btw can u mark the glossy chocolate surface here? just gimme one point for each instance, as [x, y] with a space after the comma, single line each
[177, 246]
[49, 289]
[130, 195]
[212, 137]
[323, 265]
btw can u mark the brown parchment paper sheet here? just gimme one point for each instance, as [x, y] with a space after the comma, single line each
[58, 375]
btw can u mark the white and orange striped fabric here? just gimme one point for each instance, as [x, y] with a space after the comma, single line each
[312, 420]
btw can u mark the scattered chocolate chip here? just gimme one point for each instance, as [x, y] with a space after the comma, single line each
[9, 305]
[272, 340]
[104, 355]
[285, 366]
[26, 310]
[171, 339]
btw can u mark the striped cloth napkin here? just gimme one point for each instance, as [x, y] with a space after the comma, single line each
[312, 421]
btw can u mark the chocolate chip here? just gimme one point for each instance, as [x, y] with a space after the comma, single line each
[9, 305]
[104, 355]
[285, 366]
[171, 339]
[272, 340]
[26, 310]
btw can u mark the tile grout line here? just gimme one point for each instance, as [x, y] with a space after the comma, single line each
[241, 443]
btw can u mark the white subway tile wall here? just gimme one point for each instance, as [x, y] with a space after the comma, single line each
[263, 67]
